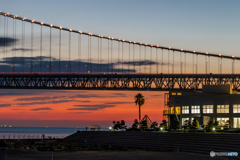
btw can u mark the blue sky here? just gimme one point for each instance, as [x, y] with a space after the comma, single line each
[204, 25]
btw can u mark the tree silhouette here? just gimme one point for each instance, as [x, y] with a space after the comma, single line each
[164, 124]
[139, 100]
[135, 124]
[154, 125]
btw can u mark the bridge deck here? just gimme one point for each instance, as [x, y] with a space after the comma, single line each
[158, 82]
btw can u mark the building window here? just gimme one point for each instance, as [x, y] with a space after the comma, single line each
[185, 109]
[177, 110]
[184, 121]
[172, 110]
[236, 108]
[179, 93]
[195, 109]
[174, 93]
[222, 121]
[222, 108]
[207, 108]
[236, 122]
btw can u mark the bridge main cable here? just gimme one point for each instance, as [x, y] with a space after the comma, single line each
[120, 40]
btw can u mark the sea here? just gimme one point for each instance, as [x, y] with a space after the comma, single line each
[38, 132]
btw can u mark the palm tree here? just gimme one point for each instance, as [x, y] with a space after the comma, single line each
[139, 100]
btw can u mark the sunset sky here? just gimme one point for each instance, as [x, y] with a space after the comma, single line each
[205, 26]
[75, 108]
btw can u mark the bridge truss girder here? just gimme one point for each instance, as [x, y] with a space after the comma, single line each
[116, 81]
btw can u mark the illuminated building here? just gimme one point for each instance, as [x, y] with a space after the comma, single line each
[214, 103]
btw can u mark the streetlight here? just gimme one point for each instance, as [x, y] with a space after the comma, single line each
[213, 130]
[161, 129]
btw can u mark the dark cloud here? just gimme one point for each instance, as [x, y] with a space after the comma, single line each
[78, 112]
[118, 102]
[6, 41]
[18, 109]
[157, 95]
[21, 49]
[84, 101]
[23, 92]
[41, 109]
[119, 94]
[5, 105]
[91, 107]
[44, 62]
[34, 99]
[139, 63]
[48, 102]
[45, 98]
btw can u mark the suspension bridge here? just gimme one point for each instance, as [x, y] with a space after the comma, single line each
[37, 55]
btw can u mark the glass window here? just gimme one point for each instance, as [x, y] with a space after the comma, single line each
[222, 108]
[185, 109]
[172, 110]
[183, 121]
[236, 108]
[236, 122]
[173, 93]
[207, 108]
[177, 110]
[222, 121]
[179, 93]
[195, 109]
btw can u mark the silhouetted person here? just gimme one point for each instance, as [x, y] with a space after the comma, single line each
[86, 128]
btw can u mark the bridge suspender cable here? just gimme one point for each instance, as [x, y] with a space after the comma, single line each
[157, 59]
[69, 52]
[6, 59]
[98, 55]
[101, 55]
[168, 61]
[60, 46]
[79, 52]
[122, 56]
[108, 55]
[90, 47]
[9, 61]
[173, 64]
[140, 58]
[41, 49]
[50, 52]
[111, 64]
[129, 59]
[134, 58]
[162, 62]
[23, 45]
[31, 65]
[149, 64]
[13, 46]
